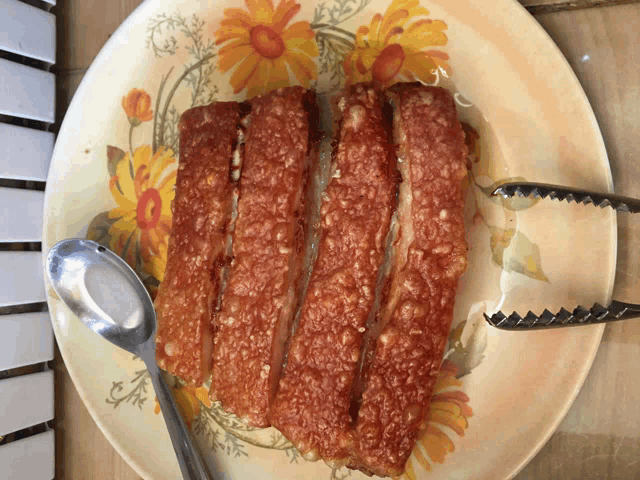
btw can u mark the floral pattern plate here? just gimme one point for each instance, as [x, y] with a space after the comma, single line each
[499, 395]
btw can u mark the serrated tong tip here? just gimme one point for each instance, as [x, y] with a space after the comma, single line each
[569, 194]
[579, 316]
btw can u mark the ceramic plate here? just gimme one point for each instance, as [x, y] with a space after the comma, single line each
[500, 395]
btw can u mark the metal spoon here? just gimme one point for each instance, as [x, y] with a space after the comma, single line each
[109, 298]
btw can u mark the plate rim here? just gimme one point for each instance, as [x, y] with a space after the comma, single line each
[598, 330]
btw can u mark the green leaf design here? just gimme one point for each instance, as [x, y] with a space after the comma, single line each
[334, 43]
[468, 355]
[514, 252]
[137, 395]
[337, 11]
[515, 203]
[500, 240]
[114, 155]
[98, 230]
[198, 73]
[332, 49]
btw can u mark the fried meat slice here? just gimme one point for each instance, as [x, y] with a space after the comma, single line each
[430, 254]
[311, 407]
[201, 215]
[260, 297]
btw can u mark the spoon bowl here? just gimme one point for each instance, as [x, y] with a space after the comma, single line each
[109, 298]
[103, 292]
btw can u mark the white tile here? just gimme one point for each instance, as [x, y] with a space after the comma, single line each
[26, 92]
[25, 401]
[21, 279]
[27, 31]
[31, 458]
[25, 339]
[21, 215]
[25, 153]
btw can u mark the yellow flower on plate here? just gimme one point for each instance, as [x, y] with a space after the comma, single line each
[143, 190]
[189, 400]
[449, 408]
[394, 46]
[264, 49]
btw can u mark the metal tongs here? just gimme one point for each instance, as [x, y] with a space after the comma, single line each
[580, 315]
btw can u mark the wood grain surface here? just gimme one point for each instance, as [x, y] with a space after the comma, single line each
[600, 437]
[537, 7]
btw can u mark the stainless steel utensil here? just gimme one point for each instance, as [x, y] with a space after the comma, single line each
[579, 315]
[109, 298]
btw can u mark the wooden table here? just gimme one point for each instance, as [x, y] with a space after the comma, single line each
[600, 437]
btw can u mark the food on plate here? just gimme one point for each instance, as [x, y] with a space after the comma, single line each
[332, 321]
[260, 298]
[196, 253]
[311, 407]
[429, 256]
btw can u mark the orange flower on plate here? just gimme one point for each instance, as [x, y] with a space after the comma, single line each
[394, 46]
[449, 408]
[137, 106]
[264, 49]
[143, 190]
[189, 401]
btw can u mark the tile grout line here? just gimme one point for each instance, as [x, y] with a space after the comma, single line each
[575, 5]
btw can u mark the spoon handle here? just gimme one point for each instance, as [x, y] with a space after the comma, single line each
[191, 463]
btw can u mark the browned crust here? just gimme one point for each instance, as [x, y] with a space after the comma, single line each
[409, 350]
[266, 247]
[201, 214]
[311, 407]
